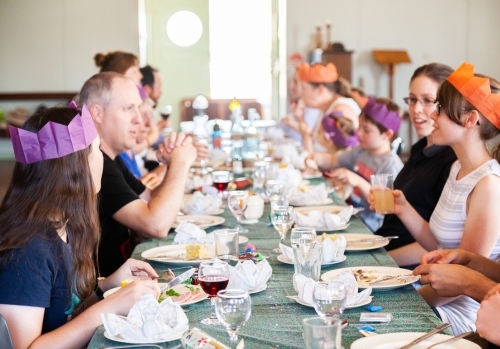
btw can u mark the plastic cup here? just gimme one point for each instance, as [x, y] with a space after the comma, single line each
[382, 187]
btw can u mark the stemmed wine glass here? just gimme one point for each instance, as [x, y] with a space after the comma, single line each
[233, 309]
[303, 237]
[237, 202]
[220, 180]
[274, 191]
[282, 219]
[213, 277]
[329, 300]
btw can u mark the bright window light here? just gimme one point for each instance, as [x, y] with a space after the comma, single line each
[184, 28]
[240, 49]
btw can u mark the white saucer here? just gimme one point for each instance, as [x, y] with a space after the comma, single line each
[285, 260]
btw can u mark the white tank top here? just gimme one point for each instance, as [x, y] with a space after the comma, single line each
[447, 225]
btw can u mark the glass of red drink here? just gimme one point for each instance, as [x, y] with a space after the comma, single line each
[213, 276]
[221, 180]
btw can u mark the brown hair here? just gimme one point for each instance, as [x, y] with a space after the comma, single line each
[341, 87]
[455, 105]
[117, 61]
[97, 89]
[391, 106]
[435, 71]
[60, 189]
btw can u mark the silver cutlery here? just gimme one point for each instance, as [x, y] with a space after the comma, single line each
[385, 278]
[371, 240]
[425, 336]
[178, 279]
[451, 339]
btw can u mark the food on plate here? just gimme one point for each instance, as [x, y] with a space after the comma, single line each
[332, 237]
[196, 251]
[188, 293]
[303, 188]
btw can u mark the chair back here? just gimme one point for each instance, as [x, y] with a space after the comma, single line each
[5, 339]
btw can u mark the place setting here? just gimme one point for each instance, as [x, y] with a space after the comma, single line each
[324, 218]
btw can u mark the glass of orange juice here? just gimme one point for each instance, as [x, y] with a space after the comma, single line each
[382, 187]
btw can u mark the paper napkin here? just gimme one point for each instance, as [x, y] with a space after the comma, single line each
[249, 275]
[316, 196]
[323, 221]
[201, 204]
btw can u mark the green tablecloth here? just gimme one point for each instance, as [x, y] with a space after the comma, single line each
[276, 321]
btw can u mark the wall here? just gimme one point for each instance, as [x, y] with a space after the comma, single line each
[182, 75]
[446, 31]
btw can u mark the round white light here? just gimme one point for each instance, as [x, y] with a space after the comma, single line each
[184, 28]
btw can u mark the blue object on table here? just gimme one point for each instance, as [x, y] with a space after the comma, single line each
[367, 328]
[373, 308]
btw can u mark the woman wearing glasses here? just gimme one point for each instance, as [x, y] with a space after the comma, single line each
[467, 118]
[423, 177]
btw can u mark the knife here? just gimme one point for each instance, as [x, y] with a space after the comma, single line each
[372, 239]
[425, 336]
[178, 279]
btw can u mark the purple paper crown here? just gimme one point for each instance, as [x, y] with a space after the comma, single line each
[54, 140]
[142, 92]
[385, 117]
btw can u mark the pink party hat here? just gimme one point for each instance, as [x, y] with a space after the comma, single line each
[54, 140]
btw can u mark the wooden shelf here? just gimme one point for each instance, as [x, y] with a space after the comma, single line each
[26, 96]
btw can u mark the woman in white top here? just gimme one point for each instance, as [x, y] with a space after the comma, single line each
[324, 90]
[466, 215]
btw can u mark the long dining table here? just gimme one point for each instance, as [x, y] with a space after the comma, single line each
[276, 321]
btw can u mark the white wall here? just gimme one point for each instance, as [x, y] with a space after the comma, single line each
[48, 46]
[445, 31]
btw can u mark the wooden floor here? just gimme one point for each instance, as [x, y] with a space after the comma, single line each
[6, 168]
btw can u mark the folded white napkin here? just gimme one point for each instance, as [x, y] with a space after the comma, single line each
[331, 250]
[196, 181]
[323, 220]
[316, 196]
[188, 233]
[289, 176]
[147, 320]
[248, 275]
[304, 286]
[201, 204]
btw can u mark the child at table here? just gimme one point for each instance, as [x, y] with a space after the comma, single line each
[378, 122]
[49, 229]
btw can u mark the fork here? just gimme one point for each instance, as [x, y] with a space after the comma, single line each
[392, 277]
[451, 339]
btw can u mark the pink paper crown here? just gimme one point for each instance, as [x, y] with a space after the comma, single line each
[385, 117]
[54, 140]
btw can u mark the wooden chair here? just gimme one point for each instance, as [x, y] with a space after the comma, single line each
[5, 339]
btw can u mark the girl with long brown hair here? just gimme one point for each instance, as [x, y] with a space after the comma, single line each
[49, 230]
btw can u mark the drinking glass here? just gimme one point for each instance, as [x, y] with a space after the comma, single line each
[274, 191]
[213, 276]
[319, 335]
[382, 186]
[233, 309]
[221, 180]
[307, 261]
[165, 112]
[237, 202]
[226, 244]
[303, 237]
[329, 300]
[282, 219]
[259, 177]
[203, 141]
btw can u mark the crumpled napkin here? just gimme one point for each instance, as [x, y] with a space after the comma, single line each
[248, 275]
[188, 233]
[331, 250]
[304, 286]
[197, 181]
[147, 320]
[201, 204]
[289, 176]
[288, 152]
[316, 196]
[321, 220]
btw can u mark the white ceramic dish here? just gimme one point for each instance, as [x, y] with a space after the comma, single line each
[177, 335]
[365, 301]
[175, 255]
[371, 273]
[315, 174]
[364, 246]
[397, 340]
[201, 221]
[285, 260]
[327, 202]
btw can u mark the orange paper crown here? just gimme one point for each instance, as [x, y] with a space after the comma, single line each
[318, 73]
[477, 91]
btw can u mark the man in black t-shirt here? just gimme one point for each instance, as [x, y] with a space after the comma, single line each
[125, 204]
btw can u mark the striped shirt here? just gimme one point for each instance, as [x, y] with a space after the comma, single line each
[447, 225]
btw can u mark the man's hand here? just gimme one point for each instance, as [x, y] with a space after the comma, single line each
[488, 317]
[202, 151]
[457, 256]
[169, 144]
[150, 180]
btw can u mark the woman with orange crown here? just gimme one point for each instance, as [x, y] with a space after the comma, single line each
[323, 89]
[467, 118]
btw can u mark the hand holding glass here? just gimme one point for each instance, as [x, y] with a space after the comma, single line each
[233, 309]
[382, 187]
[282, 219]
[213, 277]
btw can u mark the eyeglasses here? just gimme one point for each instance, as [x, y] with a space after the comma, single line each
[426, 102]
[439, 107]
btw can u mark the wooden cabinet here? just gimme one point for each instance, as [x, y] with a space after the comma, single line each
[342, 60]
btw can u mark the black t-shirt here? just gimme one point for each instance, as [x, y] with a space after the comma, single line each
[421, 180]
[38, 275]
[118, 188]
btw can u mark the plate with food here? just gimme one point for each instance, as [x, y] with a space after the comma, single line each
[285, 260]
[378, 278]
[364, 245]
[201, 221]
[365, 301]
[190, 254]
[400, 339]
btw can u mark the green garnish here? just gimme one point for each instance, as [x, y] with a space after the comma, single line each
[172, 293]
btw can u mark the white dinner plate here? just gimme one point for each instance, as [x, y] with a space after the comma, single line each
[365, 301]
[285, 260]
[201, 221]
[397, 340]
[334, 209]
[327, 202]
[364, 246]
[371, 273]
[257, 290]
[329, 190]
[314, 174]
[304, 183]
[176, 255]
[175, 336]
[213, 212]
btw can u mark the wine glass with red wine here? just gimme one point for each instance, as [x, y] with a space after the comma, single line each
[166, 111]
[213, 276]
[221, 180]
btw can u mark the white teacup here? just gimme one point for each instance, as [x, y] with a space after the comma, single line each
[255, 208]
